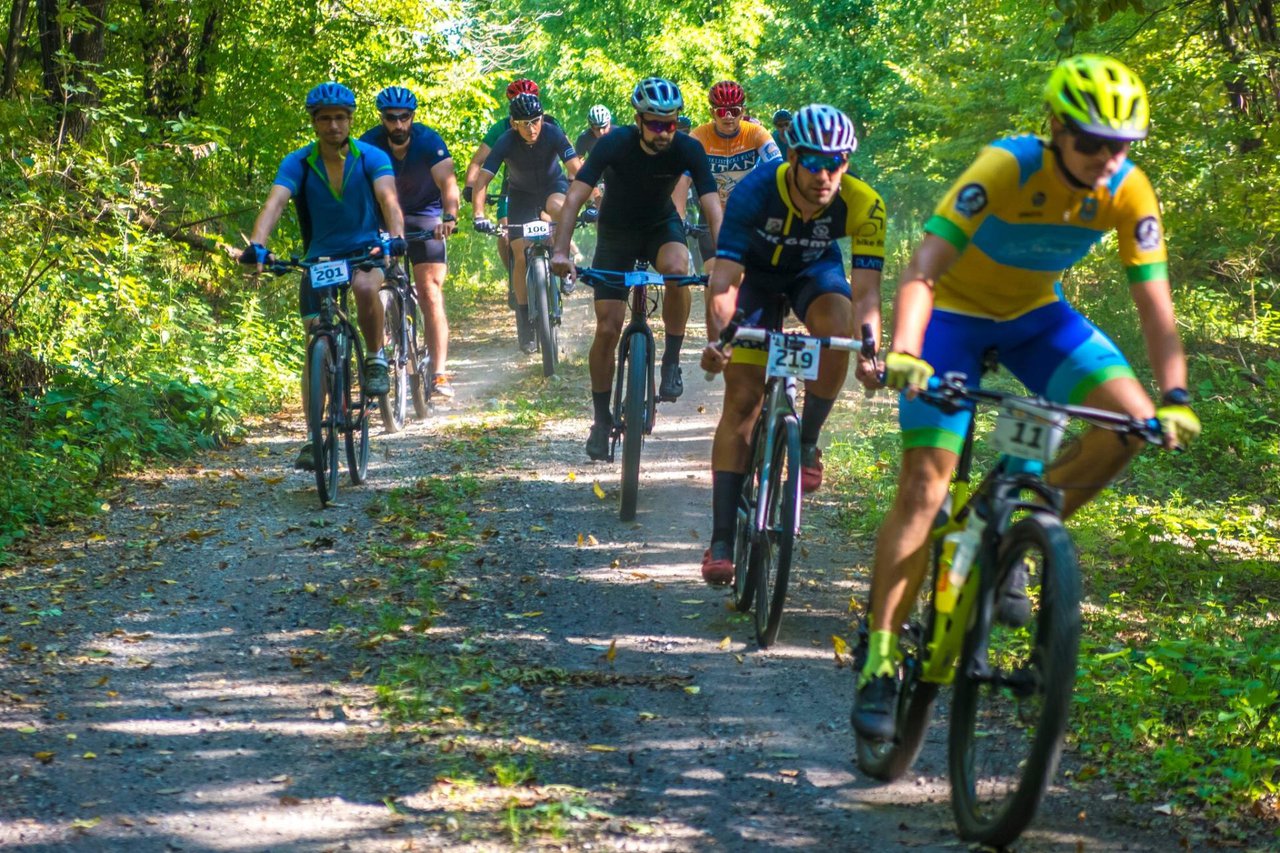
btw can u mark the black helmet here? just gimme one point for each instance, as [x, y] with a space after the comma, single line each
[524, 107]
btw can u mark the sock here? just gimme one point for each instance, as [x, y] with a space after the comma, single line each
[381, 353]
[600, 404]
[882, 656]
[671, 355]
[726, 486]
[816, 410]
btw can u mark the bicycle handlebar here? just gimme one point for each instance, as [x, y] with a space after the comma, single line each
[375, 256]
[636, 278]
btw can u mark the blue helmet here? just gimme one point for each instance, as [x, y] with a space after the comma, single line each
[524, 107]
[330, 95]
[396, 98]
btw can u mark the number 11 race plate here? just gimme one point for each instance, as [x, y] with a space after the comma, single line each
[1028, 433]
[793, 355]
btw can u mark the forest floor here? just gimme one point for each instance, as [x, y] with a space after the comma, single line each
[469, 652]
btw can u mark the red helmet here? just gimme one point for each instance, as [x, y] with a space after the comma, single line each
[523, 86]
[727, 93]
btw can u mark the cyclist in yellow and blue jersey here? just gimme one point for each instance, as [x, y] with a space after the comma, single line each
[778, 250]
[987, 275]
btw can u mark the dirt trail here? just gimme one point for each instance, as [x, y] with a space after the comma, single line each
[179, 674]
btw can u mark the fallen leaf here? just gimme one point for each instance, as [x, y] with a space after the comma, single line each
[288, 800]
[646, 716]
[27, 730]
[580, 540]
[572, 475]
[1164, 808]
[89, 756]
[595, 487]
[168, 792]
[724, 644]
[613, 651]
[273, 481]
[85, 823]
[591, 540]
[693, 690]
[790, 774]
[691, 601]
[599, 747]
[44, 757]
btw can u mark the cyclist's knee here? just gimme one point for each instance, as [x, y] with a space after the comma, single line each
[741, 399]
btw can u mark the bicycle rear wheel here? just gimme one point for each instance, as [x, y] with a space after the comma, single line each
[538, 282]
[746, 559]
[634, 407]
[1009, 712]
[781, 496]
[322, 416]
[355, 424]
[394, 405]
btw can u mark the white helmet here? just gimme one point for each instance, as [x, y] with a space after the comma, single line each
[823, 128]
[658, 97]
[599, 115]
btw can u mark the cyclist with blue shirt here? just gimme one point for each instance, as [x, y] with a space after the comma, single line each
[428, 192]
[344, 192]
[987, 275]
[778, 250]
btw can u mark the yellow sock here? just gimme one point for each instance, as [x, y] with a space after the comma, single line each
[882, 656]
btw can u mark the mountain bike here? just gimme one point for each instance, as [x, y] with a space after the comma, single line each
[543, 288]
[768, 519]
[336, 401]
[407, 358]
[1012, 682]
[634, 392]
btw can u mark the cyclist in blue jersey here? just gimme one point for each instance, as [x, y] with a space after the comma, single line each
[781, 122]
[777, 250]
[345, 193]
[428, 192]
[532, 152]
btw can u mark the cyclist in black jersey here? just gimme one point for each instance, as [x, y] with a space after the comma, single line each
[638, 222]
[532, 151]
[599, 122]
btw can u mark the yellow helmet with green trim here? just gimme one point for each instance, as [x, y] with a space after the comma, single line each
[1099, 95]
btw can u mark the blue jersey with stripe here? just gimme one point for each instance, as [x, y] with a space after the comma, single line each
[341, 221]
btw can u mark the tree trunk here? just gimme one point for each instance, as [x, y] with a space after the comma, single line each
[176, 61]
[18, 18]
[88, 48]
[50, 44]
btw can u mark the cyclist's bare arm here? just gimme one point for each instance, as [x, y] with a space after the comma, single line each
[574, 199]
[473, 168]
[450, 199]
[1164, 347]
[479, 192]
[384, 190]
[271, 212]
[713, 213]
[722, 296]
[680, 195]
[572, 165]
[866, 311]
[915, 292]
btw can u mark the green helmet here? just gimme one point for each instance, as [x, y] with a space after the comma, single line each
[1099, 95]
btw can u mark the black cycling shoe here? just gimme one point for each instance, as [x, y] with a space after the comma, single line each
[598, 442]
[1013, 608]
[875, 707]
[306, 460]
[672, 384]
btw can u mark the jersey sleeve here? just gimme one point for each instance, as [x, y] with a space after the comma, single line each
[607, 149]
[289, 175]
[494, 133]
[765, 146]
[1142, 247]
[993, 175]
[699, 168]
[498, 153]
[434, 146]
[865, 225]
[563, 145]
[379, 163]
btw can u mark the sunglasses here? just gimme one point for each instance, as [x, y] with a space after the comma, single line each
[660, 126]
[397, 118]
[526, 122]
[1088, 144]
[816, 162]
[726, 112]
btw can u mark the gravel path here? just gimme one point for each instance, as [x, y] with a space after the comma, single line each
[183, 671]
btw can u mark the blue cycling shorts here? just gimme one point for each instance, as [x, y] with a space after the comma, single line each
[1053, 350]
[764, 291]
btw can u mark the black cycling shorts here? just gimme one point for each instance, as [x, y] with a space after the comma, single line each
[526, 207]
[618, 250]
[308, 299]
[429, 251]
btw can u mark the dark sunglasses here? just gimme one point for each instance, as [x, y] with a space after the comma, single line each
[1088, 144]
[397, 118]
[816, 162]
[726, 112]
[660, 126]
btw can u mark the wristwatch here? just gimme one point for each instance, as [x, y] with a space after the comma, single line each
[1176, 397]
[448, 217]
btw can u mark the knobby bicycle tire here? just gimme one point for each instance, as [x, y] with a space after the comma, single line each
[322, 417]
[746, 559]
[394, 405]
[782, 520]
[1002, 759]
[419, 361]
[355, 424]
[634, 405]
[537, 283]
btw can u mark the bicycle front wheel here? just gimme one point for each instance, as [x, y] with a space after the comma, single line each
[394, 406]
[322, 416]
[1013, 688]
[419, 360]
[634, 406]
[746, 559]
[780, 494]
[539, 281]
[356, 405]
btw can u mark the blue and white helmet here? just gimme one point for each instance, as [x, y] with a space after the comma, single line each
[396, 98]
[823, 128]
[599, 116]
[658, 97]
[330, 95]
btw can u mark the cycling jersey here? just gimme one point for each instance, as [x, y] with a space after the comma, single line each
[333, 222]
[733, 157]
[415, 186]
[532, 168]
[586, 141]
[764, 231]
[640, 183]
[1018, 226]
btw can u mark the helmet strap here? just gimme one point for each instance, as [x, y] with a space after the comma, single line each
[1072, 180]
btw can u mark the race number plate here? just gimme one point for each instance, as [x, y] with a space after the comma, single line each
[793, 355]
[329, 274]
[1028, 432]
[641, 277]
[536, 230]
